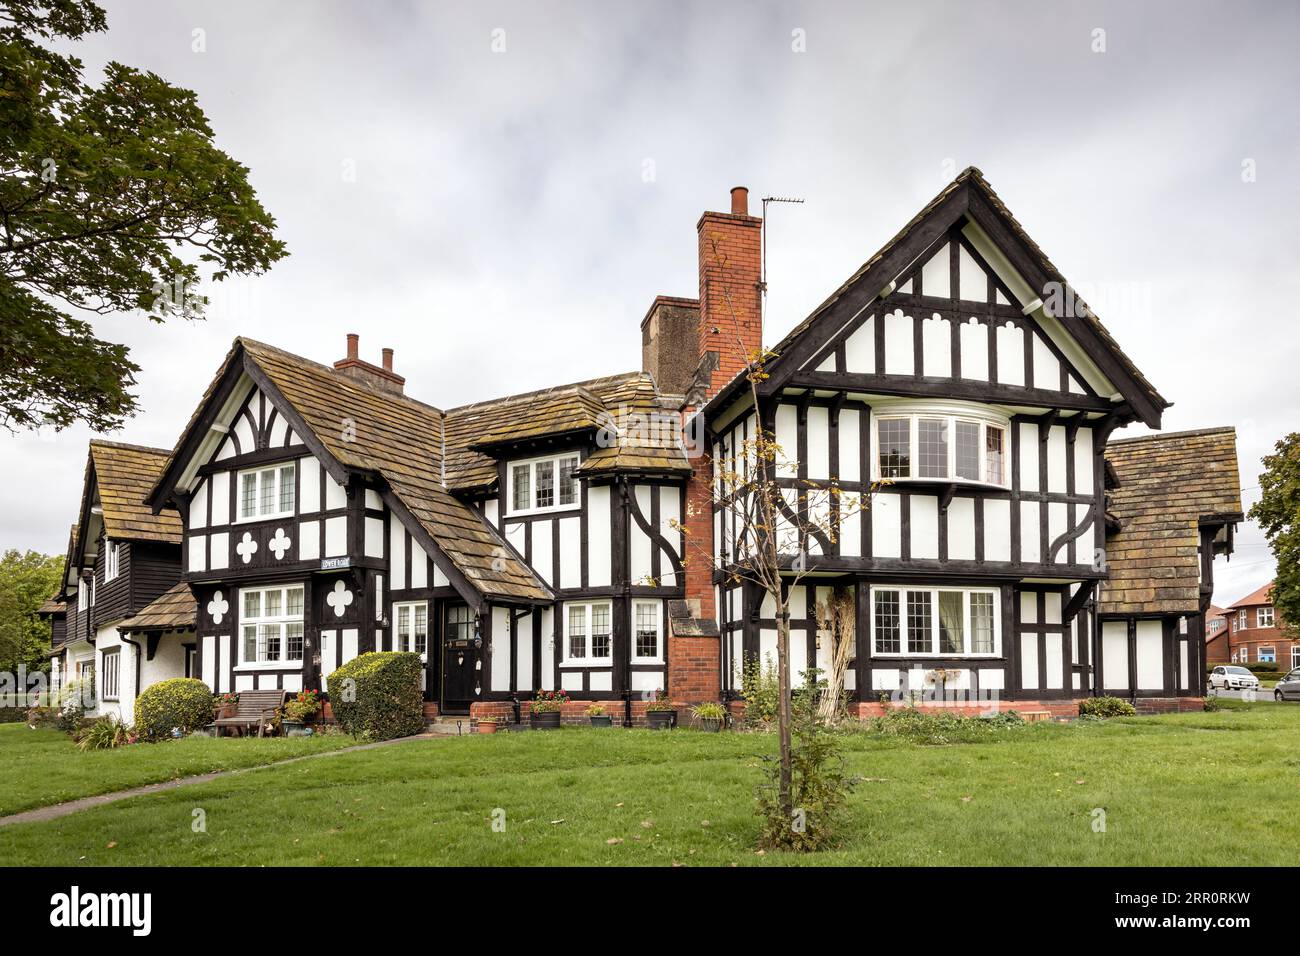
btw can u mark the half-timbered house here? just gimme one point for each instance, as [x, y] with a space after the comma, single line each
[1012, 551]
[122, 560]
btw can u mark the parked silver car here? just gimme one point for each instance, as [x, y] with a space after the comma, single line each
[1232, 677]
[1288, 688]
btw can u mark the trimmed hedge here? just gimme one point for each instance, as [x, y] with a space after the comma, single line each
[1106, 707]
[377, 695]
[182, 702]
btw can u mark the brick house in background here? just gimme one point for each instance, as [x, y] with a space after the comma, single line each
[1216, 634]
[1256, 634]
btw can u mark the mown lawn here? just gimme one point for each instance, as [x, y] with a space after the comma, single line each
[1193, 789]
[39, 767]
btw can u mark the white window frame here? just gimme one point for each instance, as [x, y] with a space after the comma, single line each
[968, 636]
[1241, 620]
[282, 620]
[1260, 613]
[1295, 655]
[659, 631]
[532, 464]
[405, 642]
[951, 414]
[1271, 649]
[110, 674]
[590, 660]
[277, 468]
[1243, 653]
[112, 560]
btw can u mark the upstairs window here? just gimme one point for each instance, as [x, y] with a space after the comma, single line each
[941, 447]
[267, 492]
[543, 484]
[1241, 620]
[111, 560]
[1264, 617]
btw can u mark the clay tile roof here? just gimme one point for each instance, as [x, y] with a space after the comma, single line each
[620, 409]
[173, 610]
[53, 605]
[1167, 484]
[124, 475]
[400, 439]
[1259, 596]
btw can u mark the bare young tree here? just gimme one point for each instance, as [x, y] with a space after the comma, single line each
[782, 523]
[837, 617]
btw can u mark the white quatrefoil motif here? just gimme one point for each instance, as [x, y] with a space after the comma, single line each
[246, 548]
[218, 607]
[339, 598]
[279, 544]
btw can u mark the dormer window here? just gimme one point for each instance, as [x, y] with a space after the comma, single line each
[543, 484]
[941, 443]
[267, 492]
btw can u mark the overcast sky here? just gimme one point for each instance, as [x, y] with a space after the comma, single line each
[497, 191]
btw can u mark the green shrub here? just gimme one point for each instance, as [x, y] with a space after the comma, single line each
[104, 734]
[1212, 705]
[819, 786]
[181, 702]
[1263, 668]
[43, 716]
[940, 726]
[1105, 707]
[761, 690]
[378, 696]
[12, 715]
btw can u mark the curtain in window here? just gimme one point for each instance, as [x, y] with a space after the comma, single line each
[951, 629]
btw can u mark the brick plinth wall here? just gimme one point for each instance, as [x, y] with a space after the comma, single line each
[574, 713]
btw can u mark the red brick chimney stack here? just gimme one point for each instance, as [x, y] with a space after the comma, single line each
[388, 360]
[731, 271]
[372, 376]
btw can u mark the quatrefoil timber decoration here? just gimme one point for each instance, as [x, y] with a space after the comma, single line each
[218, 607]
[280, 544]
[246, 548]
[339, 598]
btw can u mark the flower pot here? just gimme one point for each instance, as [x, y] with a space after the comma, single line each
[661, 719]
[487, 726]
[711, 724]
[225, 710]
[601, 720]
[546, 720]
[293, 728]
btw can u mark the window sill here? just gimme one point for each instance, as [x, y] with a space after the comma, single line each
[587, 663]
[957, 484]
[653, 661]
[269, 666]
[535, 512]
[882, 656]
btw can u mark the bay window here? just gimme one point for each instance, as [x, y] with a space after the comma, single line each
[267, 492]
[411, 627]
[944, 445]
[271, 625]
[934, 621]
[543, 484]
[587, 633]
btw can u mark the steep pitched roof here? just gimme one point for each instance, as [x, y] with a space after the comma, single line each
[1259, 596]
[173, 610]
[124, 475]
[1167, 484]
[621, 409]
[970, 179]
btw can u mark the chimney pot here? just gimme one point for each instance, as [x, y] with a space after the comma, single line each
[739, 201]
[353, 345]
[388, 360]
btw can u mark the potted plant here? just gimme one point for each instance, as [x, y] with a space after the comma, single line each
[298, 712]
[661, 713]
[487, 724]
[545, 710]
[224, 705]
[596, 712]
[711, 715]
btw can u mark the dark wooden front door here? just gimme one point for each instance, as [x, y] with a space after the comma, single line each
[459, 660]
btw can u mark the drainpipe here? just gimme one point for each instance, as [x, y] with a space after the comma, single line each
[135, 693]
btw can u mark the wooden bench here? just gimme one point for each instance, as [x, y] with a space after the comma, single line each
[255, 708]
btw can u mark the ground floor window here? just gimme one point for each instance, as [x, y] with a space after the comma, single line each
[411, 627]
[647, 618]
[934, 622]
[271, 624]
[1268, 655]
[191, 659]
[587, 632]
[1295, 655]
[1242, 656]
[109, 674]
